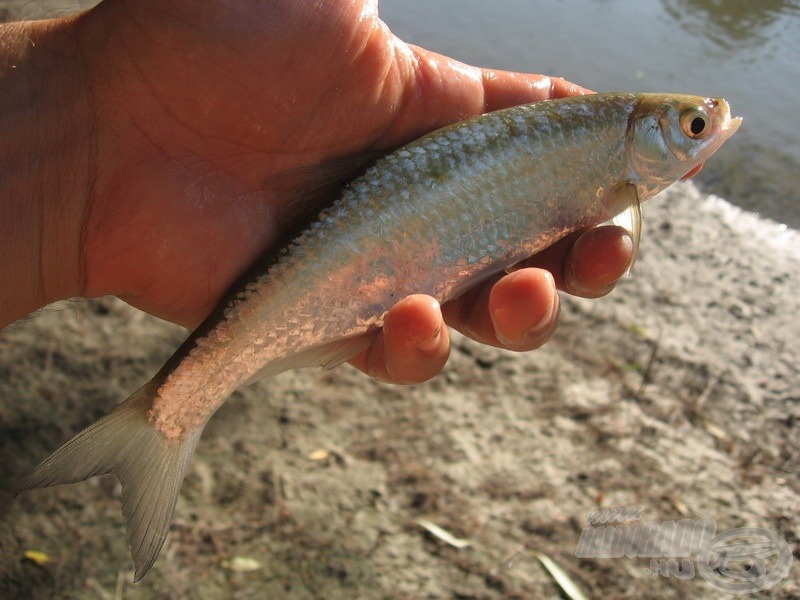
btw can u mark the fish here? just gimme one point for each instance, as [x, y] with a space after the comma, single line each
[437, 216]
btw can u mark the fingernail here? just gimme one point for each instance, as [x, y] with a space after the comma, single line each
[546, 321]
[575, 288]
[534, 333]
[574, 283]
[431, 345]
[601, 278]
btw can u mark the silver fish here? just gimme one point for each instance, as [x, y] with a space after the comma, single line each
[437, 216]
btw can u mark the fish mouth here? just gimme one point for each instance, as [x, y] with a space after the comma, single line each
[733, 124]
[722, 112]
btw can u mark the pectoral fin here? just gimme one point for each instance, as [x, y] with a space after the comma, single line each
[631, 217]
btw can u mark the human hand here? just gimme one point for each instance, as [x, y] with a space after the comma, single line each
[193, 106]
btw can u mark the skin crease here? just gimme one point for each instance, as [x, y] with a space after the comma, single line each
[191, 106]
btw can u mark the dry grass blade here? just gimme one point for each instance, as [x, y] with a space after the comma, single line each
[568, 585]
[443, 535]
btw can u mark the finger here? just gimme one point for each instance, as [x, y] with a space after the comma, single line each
[413, 345]
[506, 88]
[587, 263]
[524, 309]
[441, 90]
[597, 261]
[519, 311]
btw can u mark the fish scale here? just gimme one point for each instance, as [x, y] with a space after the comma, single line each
[437, 217]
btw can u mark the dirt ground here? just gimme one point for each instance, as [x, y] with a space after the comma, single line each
[677, 393]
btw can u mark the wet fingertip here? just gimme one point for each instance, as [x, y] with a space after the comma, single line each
[525, 309]
[416, 344]
[576, 284]
[537, 335]
[597, 262]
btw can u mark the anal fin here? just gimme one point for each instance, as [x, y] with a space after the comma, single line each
[327, 356]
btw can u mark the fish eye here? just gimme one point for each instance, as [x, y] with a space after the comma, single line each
[695, 123]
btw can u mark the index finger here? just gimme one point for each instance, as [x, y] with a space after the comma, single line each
[506, 88]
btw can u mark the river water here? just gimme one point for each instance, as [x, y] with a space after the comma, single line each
[747, 51]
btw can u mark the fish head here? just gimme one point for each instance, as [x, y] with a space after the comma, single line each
[670, 135]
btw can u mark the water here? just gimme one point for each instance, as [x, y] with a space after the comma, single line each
[747, 51]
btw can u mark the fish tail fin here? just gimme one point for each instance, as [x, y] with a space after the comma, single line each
[150, 468]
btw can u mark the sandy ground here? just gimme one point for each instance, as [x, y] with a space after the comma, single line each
[677, 393]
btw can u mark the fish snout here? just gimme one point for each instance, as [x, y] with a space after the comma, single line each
[720, 110]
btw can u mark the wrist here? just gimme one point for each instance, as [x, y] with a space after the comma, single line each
[46, 124]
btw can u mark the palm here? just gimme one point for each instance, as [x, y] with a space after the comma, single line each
[197, 107]
[197, 126]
